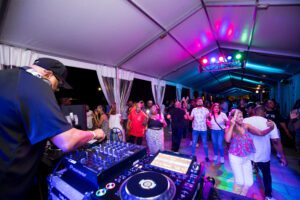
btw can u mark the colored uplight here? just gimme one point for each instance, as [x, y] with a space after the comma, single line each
[238, 56]
[229, 57]
[204, 61]
[221, 59]
[213, 60]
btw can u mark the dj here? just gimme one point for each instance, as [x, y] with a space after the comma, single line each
[29, 116]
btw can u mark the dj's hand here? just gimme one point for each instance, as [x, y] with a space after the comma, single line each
[100, 135]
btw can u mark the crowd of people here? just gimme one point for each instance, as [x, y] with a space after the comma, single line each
[247, 127]
[31, 116]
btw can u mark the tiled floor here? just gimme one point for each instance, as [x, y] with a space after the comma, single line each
[286, 180]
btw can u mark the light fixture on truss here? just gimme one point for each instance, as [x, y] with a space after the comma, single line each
[221, 63]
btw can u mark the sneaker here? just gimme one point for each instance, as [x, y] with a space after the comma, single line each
[222, 160]
[207, 159]
[269, 198]
[215, 158]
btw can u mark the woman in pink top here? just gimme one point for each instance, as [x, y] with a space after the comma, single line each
[241, 148]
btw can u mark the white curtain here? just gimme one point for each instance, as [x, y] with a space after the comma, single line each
[16, 57]
[158, 90]
[107, 79]
[178, 91]
[126, 80]
[116, 85]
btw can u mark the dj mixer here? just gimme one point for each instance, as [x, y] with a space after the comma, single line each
[118, 170]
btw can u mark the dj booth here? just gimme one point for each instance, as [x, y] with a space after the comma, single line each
[117, 170]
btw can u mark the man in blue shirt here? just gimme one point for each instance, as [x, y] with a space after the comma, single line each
[29, 117]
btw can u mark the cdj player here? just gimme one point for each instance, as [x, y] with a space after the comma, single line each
[133, 175]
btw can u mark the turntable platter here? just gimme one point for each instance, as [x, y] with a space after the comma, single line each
[148, 185]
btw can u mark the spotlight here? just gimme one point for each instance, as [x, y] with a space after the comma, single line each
[229, 57]
[221, 59]
[204, 61]
[256, 91]
[238, 56]
[213, 60]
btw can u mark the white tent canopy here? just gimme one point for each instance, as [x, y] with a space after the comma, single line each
[162, 39]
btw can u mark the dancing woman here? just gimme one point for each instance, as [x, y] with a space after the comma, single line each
[241, 149]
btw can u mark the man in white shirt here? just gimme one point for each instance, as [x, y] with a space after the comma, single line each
[198, 115]
[262, 156]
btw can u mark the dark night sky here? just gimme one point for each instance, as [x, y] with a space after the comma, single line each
[85, 89]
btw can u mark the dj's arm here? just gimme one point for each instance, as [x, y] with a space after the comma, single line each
[74, 138]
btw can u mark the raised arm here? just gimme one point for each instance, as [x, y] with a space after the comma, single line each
[229, 130]
[256, 131]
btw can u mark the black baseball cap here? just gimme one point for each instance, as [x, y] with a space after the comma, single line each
[59, 70]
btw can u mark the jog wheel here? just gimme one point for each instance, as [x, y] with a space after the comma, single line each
[148, 185]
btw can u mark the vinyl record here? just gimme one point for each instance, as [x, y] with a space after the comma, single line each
[148, 185]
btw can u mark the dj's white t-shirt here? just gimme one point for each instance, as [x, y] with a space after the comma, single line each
[261, 143]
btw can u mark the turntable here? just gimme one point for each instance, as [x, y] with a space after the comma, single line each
[148, 185]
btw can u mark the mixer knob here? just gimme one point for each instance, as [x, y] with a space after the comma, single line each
[83, 161]
[185, 192]
[191, 180]
[94, 157]
[98, 151]
[105, 149]
[108, 151]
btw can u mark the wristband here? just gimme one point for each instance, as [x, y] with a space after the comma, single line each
[94, 134]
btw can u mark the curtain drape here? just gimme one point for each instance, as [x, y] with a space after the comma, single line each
[126, 80]
[158, 90]
[16, 57]
[116, 85]
[106, 77]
